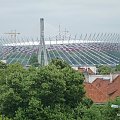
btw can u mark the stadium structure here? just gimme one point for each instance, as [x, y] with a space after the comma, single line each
[88, 50]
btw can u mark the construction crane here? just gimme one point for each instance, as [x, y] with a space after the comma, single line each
[13, 34]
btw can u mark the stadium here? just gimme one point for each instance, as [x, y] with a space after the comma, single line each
[88, 50]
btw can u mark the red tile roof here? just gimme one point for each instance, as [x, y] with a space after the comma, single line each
[114, 88]
[101, 91]
[95, 94]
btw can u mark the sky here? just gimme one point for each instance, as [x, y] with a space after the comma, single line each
[76, 16]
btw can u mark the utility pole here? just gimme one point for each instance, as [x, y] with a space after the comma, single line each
[42, 54]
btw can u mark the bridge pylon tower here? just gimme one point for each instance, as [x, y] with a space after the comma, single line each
[42, 53]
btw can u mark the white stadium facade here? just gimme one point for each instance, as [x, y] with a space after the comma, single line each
[88, 50]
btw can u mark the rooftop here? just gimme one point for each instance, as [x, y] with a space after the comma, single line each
[101, 91]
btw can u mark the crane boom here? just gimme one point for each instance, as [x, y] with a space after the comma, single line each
[13, 34]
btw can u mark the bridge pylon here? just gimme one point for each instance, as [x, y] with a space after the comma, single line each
[42, 53]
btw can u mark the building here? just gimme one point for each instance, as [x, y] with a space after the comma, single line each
[101, 90]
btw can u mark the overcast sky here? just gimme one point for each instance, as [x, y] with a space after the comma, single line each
[77, 16]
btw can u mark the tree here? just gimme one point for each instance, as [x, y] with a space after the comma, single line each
[104, 70]
[2, 65]
[92, 113]
[11, 89]
[34, 61]
[47, 93]
[53, 92]
[110, 113]
[59, 63]
[118, 67]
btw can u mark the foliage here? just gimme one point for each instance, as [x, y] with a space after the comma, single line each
[47, 93]
[53, 92]
[11, 89]
[59, 63]
[2, 65]
[110, 113]
[118, 67]
[34, 61]
[104, 70]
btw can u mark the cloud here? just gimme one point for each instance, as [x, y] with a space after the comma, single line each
[76, 15]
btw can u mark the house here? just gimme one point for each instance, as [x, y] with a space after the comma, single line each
[101, 90]
[91, 70]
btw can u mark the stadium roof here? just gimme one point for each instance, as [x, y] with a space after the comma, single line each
[90, 50]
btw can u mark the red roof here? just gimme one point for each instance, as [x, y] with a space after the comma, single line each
[114, 88]
[101, 91]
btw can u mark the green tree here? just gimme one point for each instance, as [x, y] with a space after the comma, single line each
[118, 67]
[107, 112]
[2, 65]
[11, 89]
[47, 93]
[34, 61]
[104, 70]
[53, 92]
